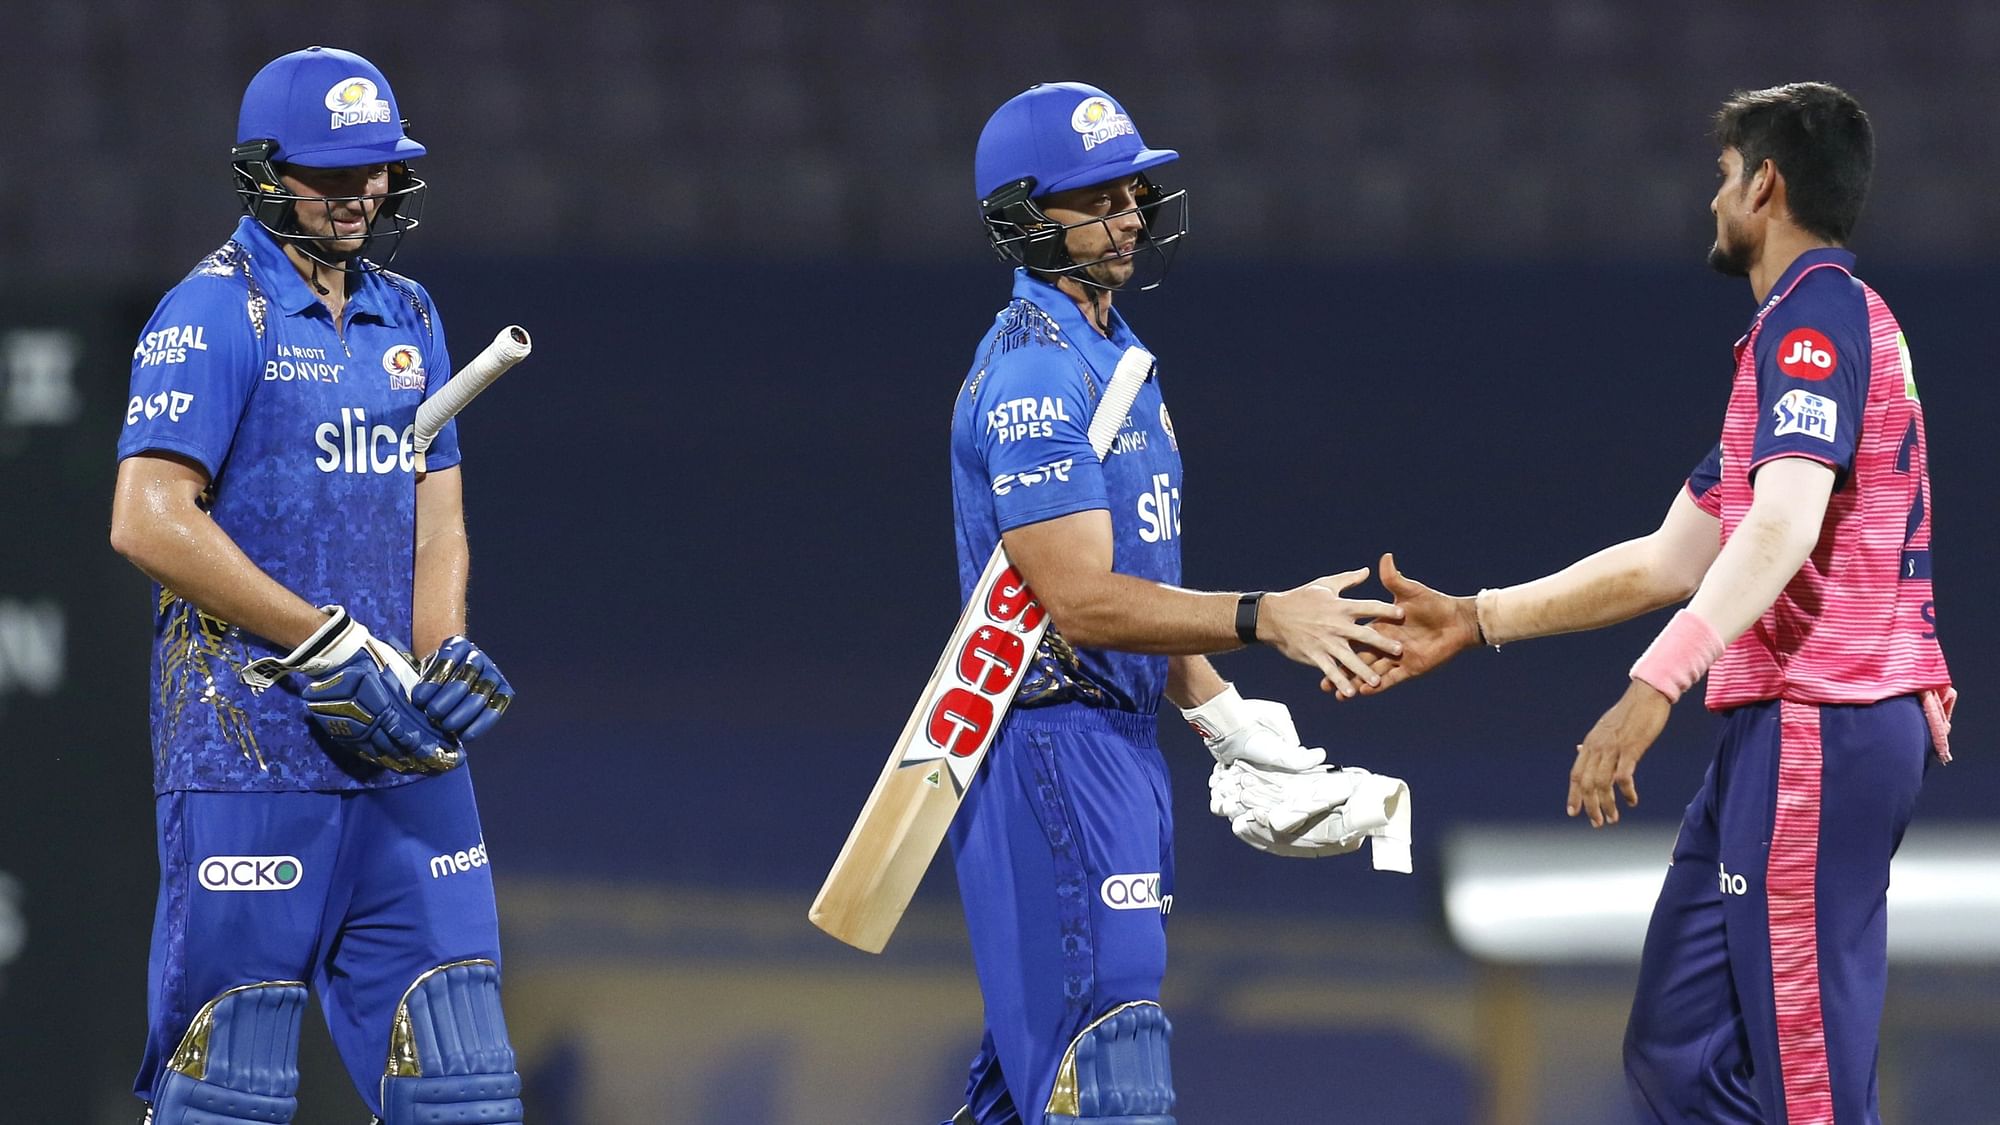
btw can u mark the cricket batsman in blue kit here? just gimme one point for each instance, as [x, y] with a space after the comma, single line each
[315, 816]
[1063, 845]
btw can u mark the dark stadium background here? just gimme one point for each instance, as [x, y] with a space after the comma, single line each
[1444, 295]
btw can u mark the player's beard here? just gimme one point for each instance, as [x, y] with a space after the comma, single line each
[1108, 274]
[1729, 255]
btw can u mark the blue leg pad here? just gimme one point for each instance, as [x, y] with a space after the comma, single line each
[449, 1059]
[1116, 1072]
[238, 1062]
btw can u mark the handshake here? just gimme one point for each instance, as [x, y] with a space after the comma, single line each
[1280, 797]
[370, 699]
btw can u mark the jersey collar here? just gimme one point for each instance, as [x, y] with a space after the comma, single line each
[1811, 259]
[281, 278]
[1062, 310]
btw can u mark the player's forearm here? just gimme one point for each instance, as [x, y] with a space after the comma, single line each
[437, 600]
[443, 559]
[1615, 584]
[1192, 681]
[1776, 537]
[179, 546]
[1118, 611]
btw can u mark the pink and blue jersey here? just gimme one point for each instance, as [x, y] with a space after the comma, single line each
[1824, 373]
[1020, 454]
[304, 429]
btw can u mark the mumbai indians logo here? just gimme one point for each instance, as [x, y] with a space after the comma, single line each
[1099, 121]
[250, 872]
[1167, 424]
[356, 101]
[405, 366]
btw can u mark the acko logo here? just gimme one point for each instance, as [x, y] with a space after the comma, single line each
[1806, 354]
[250, 872]
[1134, 892]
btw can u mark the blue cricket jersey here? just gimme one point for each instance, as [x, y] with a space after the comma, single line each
[1020, 454]
[305, 432]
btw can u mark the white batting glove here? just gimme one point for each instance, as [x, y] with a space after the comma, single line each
[1258, 731]
[1320, 812]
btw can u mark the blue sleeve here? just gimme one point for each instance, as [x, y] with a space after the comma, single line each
[1812, 373]
[193, 372]
[1031, 421]
[437, 371]
[1702, 481]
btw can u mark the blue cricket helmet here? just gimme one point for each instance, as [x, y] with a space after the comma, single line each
[1061, 135]
[325, 108]
[1054, 136]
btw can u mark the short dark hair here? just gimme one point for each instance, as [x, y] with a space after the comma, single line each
[1821, 142]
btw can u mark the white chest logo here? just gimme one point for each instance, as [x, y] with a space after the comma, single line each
[1160, 511]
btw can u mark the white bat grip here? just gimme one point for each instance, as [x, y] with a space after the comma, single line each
[1134, 368]
[508, 348]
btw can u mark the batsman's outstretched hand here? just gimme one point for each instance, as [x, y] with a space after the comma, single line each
[357, 694]
[461, 690]
[1258, 731]
[1315, 625]
[1431, 629]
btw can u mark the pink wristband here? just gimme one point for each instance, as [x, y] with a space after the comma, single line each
[1679, 656]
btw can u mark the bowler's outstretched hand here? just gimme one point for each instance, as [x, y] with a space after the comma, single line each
[1429, 629]
[1315, 625]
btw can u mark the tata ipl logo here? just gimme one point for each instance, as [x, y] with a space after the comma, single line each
[250, 872]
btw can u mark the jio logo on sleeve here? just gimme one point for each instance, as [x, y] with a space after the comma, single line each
[1806, 354]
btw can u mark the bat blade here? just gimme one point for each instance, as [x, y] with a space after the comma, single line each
[948, 733]
[942, 745]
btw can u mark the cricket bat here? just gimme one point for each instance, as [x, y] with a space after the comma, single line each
[954, 723]
[508, 348]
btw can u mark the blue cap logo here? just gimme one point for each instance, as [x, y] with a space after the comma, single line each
[356, 101]
[1098, 120]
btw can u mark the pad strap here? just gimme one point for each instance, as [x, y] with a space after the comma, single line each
[1116, 1071]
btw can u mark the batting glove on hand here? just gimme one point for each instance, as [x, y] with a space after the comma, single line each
[358, 695]
[1257, 731]
[461, 690]
[1320, 812]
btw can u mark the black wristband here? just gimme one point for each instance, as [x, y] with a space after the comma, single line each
[1246, 617]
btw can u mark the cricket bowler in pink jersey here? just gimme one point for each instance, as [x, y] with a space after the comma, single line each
[1805, 540]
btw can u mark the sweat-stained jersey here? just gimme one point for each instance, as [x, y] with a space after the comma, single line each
[1824, 373]
[1020, 454]
[305, 433]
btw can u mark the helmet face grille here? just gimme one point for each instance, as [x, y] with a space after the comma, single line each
[1023, 234]
[265, 197]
